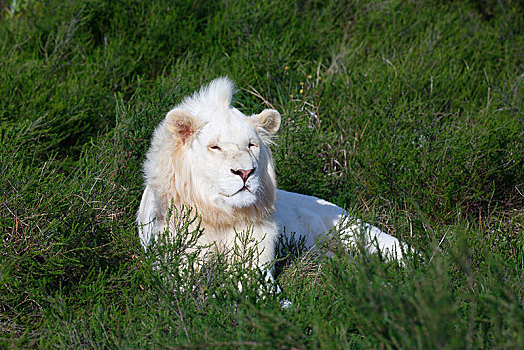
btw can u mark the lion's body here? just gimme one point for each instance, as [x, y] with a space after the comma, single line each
[208, 155]
[314, 219]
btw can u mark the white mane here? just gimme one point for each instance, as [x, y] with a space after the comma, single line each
[216, 96]
[208, 155]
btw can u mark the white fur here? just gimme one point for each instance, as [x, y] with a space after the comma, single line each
[185, 167]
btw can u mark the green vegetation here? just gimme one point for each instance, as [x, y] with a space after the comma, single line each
[409, 114]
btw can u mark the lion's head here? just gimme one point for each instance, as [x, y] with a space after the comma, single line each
[209, 155]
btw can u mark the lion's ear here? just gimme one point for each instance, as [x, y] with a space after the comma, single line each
[182, 124]
[268, 120]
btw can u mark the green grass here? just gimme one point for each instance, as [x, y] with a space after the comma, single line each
[409, 114]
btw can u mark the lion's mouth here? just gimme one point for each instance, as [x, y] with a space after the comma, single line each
[244, 188]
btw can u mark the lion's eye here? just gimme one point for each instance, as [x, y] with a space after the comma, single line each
[215, 147]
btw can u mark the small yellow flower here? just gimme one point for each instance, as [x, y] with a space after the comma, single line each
[301, 91]
[309, 76]
[291, 96]
[301, 83]
[286, 67]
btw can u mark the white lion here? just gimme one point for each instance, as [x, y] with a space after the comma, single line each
[208, 155]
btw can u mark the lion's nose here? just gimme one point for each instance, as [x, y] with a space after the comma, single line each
[244, 174]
